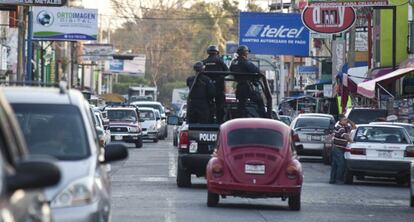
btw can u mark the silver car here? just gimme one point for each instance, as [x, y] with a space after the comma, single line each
[58, 122]
[163, 133]
[313, 134]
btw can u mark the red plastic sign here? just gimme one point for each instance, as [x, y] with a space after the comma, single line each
[328, 20]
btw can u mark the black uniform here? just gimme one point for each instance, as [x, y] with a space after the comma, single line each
[201, 93]
[245, 89]
[215, 63]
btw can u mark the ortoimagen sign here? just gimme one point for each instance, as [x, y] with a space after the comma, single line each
[35, 2]
[274, 33]
[328, 20]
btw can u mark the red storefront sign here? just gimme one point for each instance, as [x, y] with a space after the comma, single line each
[328, 20]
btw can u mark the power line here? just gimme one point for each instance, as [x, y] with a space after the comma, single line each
[168, 18]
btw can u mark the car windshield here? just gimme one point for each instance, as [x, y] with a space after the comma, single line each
[153, 106]
[285, 119]
[371, 134]
[313, 123]
[157, 115]
[364, 116]
[56, 130]
[255, 136]
[146, 115]
[122, 115]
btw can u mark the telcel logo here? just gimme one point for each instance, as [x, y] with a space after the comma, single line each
[207, 137]
[269, 32]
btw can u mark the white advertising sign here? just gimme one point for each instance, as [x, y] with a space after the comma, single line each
[66, 24]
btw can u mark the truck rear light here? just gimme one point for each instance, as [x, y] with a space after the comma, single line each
[356, 151]
[292, 172]
[409, 152]
[183, 139]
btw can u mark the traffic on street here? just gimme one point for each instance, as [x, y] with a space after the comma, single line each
[219, 110]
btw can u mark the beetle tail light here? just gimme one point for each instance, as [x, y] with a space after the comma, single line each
[217, 169]
[292, 172]
[183, 139]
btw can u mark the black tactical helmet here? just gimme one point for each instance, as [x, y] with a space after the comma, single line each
[198, 67]
[212, 49]
[242, 50]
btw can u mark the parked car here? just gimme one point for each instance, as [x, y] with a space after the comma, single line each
[365, 115]
[286, 119]
[149, 124]
[158, 106]
[407, 126]
[412, 185]
[20, 172]
[59, 123]
[379, 150]
[313, 135]
[177, 128]
[254, 158]
[104, 133]
[159, 122]
[125, 125]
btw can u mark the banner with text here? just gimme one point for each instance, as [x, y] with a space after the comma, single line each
[64, 23]
[274, 33]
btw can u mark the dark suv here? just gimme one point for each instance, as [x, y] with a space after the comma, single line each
[365, 115]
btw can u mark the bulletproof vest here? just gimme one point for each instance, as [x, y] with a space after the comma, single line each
[213, 63]
[239, 65]
[203, 89]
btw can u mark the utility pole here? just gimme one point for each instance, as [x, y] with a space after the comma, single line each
[351, 52]
[21, 24]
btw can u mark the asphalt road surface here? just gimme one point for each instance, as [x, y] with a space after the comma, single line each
[144, 189]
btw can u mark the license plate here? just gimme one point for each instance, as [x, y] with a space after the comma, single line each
[118, 137]
[316, 138]
[385, 154]
[254, 169]
[193, 147]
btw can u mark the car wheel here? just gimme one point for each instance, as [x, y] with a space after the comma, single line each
[412, 201]
[348, 177]
[138, 143]
[212, 199]
[294, 202]
[183, 176]
[155, 140]
[162, 136]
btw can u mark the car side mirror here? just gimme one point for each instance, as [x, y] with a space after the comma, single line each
[141, 120]
[158, 118]
[173, 120]
[115, 152]
[33, 175]
[99, 131]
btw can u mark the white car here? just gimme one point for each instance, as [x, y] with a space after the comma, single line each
[158, 106]
[379, 150]
[104, 134]
[149, 124]
[407, 126]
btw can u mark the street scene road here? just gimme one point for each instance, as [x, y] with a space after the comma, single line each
[144, 189]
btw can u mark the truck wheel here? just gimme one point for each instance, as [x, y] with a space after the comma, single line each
[138, 143]
[183, 176]
[166, 132]
[155, 140]
[348, 177]
[294, 202]
[212, 199]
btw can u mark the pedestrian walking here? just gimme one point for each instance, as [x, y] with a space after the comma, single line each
[341, 138]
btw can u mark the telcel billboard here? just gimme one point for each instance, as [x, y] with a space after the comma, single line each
[274, 33]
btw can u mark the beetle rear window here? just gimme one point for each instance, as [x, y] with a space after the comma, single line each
[255, 136]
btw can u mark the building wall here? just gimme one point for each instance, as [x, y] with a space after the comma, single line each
[386, 34]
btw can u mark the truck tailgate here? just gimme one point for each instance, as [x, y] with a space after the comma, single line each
[204, 135]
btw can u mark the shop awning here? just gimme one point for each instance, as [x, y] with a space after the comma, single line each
[367, 89]
[307, 70]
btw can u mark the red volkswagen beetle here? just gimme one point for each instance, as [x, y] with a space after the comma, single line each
[254, 158]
